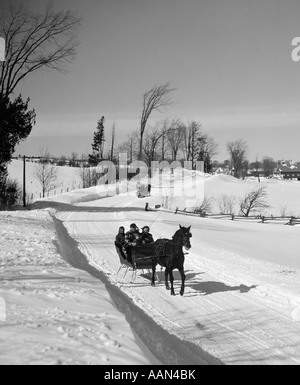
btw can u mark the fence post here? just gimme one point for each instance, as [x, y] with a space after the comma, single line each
[232, 217]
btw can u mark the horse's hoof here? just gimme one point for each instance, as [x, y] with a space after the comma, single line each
[152, 284]
[167, 287]
[181, 293]
[172, 293]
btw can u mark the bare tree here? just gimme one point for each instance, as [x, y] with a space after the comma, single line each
[35, 42]
[245, 168]
[152, 138]
[84, 159]
[237, 151]
[283, 210]
[156, 99]
[226, 204]
[254, 201]
[191, 141]
[89, 176]
[175, 135]
[130, 147]
[163, 141]
[205, 207]
[45, 174]
[256, 166]
[62, 160]
[73, 159]
[207, 149]
[268, 165]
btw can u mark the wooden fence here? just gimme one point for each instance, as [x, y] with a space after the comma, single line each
[291, 220]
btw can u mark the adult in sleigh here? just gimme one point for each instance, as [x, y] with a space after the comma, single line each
[134, 248]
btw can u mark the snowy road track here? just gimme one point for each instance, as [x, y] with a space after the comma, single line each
[237, 307]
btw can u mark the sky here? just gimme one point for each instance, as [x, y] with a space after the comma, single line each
[230, 62]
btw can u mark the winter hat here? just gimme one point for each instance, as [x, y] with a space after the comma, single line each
[133, 225]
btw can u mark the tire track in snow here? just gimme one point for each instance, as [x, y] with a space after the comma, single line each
[167, 348]
[236, 327]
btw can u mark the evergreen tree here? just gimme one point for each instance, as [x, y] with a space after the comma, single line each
[98, 143]
[16, 123]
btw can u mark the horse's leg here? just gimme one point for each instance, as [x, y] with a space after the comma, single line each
[153, 274]
[167, 279]
[182, 280]
[172, 282]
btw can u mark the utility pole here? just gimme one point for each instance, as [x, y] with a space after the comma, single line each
[113, 142]
[24, 181]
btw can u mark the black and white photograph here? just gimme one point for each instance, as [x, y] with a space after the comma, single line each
[150, 185]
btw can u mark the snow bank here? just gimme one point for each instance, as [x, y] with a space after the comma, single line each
[51, 313]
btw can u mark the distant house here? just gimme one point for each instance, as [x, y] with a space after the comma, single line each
[221, 170]
[288, 170]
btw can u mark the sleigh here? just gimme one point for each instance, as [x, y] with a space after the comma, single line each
[142, 258]
[167, 253]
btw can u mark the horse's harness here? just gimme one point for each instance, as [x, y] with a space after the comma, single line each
[166, 248]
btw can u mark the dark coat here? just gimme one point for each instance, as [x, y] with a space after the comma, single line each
[146, 238]
[120, 239]
[131, 237]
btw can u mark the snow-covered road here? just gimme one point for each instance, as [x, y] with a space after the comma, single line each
[242, 297]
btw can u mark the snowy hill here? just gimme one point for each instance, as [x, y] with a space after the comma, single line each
[68, 179]
[281, 193]
[242, 299]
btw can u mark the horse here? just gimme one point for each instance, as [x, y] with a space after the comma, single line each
[169, 254]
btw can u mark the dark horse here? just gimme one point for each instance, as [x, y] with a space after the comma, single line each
[169, 254]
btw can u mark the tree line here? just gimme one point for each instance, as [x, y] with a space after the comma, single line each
[47, 41]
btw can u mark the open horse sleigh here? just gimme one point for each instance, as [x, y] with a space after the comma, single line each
[167, 253]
